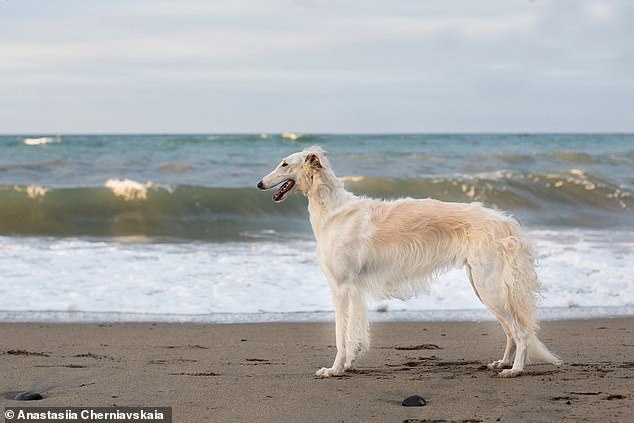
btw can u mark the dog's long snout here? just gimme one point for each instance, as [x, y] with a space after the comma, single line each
[261, 185]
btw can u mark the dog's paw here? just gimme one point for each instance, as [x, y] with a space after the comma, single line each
[499, 364]
[510, 373]
[328, 372]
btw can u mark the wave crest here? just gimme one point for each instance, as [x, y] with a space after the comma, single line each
[41, 140]
[32, 191]
[124, 207]
[128, 189]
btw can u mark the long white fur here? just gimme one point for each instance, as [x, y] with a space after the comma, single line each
[369, 247]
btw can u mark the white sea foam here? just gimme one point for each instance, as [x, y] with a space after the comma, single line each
[128, 189]
[41, 140]
[578, 269]
[293, 136]
[32, 191]
[345, 179]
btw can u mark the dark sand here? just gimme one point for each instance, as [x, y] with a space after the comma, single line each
[264, 372]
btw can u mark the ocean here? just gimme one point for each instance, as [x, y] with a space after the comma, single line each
[172, 227]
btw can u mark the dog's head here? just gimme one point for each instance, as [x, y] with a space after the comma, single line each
[295, 172]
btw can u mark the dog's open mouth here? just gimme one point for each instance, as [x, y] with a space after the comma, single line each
[284, 189]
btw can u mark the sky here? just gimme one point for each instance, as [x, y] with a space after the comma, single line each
[365, 66]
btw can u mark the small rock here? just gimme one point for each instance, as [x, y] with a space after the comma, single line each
[28, 396]
[414, 401]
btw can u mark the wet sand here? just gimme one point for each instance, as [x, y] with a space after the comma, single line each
[264, 372]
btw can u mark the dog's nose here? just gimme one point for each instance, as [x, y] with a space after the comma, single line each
[261, 185]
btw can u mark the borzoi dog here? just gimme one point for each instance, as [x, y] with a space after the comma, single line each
[369, 247]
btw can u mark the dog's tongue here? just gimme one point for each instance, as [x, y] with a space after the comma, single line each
[283, 190]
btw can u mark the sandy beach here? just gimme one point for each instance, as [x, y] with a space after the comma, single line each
[264, 372]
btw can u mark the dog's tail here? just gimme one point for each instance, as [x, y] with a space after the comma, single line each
[537, 352]
[521, 289]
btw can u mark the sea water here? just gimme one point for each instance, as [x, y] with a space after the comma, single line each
[172, 228]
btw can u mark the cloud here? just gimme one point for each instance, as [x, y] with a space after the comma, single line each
[370, 61]
[600, 12]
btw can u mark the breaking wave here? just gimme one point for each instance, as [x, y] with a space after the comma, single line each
[506, 190]
[124, 207]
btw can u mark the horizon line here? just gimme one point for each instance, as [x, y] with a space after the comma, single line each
[309, 133]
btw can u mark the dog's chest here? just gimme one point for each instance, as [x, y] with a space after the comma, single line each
[340, 251]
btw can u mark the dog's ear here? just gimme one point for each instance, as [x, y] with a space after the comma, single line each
[312, 160]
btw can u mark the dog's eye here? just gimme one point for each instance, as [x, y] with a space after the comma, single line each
[284, 164]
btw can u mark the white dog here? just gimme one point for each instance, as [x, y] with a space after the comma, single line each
[395, 248]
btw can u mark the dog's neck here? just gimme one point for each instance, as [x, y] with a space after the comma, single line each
[326, 194]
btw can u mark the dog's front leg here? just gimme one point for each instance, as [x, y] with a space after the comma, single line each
[357, 329]
[340, 299]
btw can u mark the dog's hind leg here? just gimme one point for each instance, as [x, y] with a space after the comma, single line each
[507, 359]
[484, 274]
[521, 341]
[357, 329]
